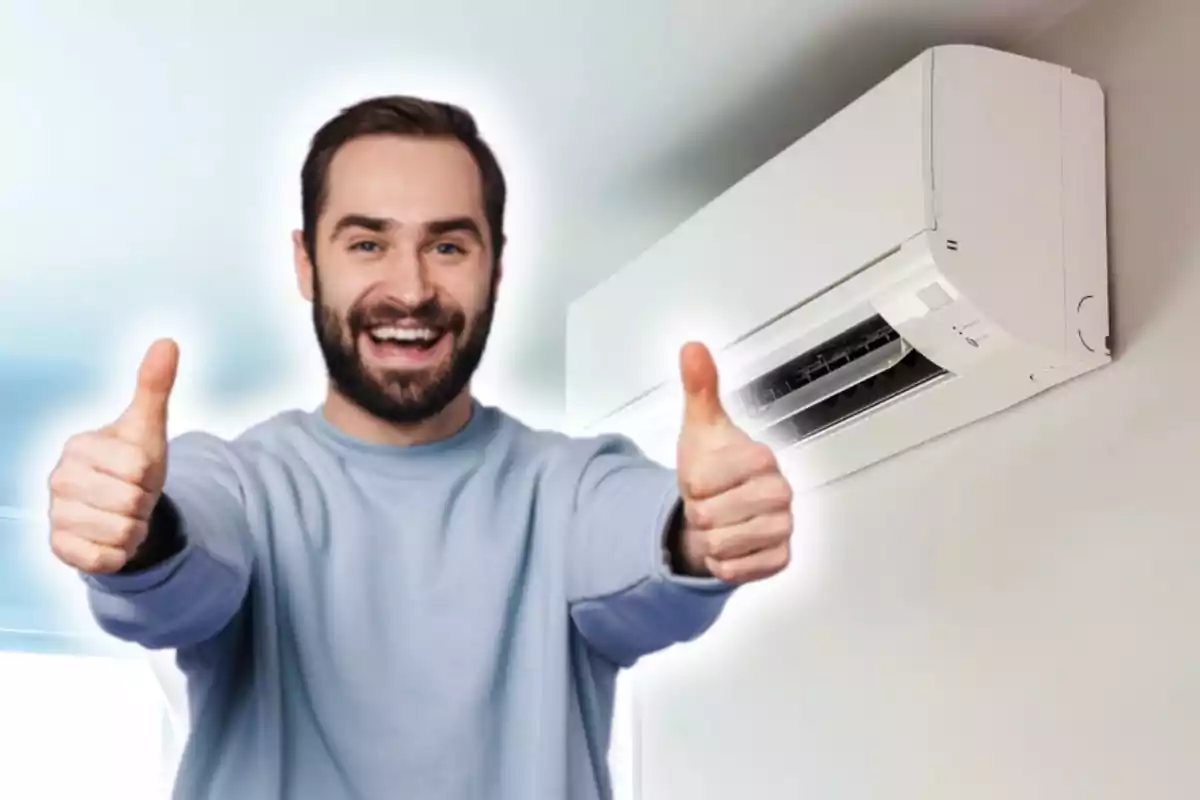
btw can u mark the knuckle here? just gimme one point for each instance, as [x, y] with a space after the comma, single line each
[59, 547]
[76, 444]
[89, 558]
[95, 561]
[58, 514]
[719, 546]
[701, 515]
[128, 533]
[90, 561]
[130, 504]
[780, 491]
[763, 457]
[60, 481]
[139, 463]
[780, 559]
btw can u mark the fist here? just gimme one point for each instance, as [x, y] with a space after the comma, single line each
[737, 504]
[107, 481]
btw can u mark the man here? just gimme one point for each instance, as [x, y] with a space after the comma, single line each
[406, 593]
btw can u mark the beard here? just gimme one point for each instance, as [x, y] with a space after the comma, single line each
[402, 397]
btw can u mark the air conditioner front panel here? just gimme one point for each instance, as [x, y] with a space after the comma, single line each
[998, 167]
[760, 249]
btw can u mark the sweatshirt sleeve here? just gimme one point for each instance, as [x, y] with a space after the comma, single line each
[191, 595]
[625, 600]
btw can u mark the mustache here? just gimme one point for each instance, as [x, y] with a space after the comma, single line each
[429, 314]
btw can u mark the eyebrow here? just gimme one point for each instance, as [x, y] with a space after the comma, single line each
[456, 224]
[437, 227]
[373, 224]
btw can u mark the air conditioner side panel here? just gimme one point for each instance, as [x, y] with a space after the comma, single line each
[848, 192]
[1085, 222]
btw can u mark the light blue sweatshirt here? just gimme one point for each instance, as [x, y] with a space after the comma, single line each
[436, 622]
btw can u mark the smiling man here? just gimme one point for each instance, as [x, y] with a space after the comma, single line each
[404, 592]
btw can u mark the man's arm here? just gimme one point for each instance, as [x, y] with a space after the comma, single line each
[649, 545]
[190, 575]
[630, 593]
[166, 552]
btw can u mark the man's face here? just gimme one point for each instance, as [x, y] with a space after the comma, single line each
[402, 279]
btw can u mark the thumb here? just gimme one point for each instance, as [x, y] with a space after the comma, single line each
[702, 400]
[145, 420]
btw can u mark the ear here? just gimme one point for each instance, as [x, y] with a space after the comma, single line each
[303, 264]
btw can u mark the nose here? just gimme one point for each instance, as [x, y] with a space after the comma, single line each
[408, 279]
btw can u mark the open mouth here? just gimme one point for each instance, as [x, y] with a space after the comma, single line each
[404, 344]
[386, 336]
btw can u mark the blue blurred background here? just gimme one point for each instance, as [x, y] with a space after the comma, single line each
[150, 153]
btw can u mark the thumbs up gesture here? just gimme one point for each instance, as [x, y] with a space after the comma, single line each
[736, 502]
[108, 481]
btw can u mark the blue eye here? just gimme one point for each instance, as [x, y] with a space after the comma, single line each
[365, 247]
[447, 249]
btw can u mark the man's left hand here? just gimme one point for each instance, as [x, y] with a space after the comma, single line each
[737, 505]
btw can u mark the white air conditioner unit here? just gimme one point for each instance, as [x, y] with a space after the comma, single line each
[932, 254]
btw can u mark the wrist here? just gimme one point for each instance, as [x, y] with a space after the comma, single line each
[164, 538]
[684, 552]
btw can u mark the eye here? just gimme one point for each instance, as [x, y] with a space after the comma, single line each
[366, 247]
[447, 249]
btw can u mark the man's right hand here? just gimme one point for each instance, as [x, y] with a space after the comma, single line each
[108, 481]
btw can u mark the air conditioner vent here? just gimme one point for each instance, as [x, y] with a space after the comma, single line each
[912, 371]
[858, 369]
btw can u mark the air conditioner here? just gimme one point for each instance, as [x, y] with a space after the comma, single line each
[932, 254]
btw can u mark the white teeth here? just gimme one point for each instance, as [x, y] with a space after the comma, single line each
[404, 334]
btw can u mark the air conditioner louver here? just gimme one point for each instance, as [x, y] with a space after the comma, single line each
[829, 384]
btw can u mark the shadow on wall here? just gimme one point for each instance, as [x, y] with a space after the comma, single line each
[849, 61]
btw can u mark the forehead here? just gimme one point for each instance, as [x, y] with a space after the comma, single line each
[407, 178]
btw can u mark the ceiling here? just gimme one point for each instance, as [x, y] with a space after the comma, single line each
[151, 150]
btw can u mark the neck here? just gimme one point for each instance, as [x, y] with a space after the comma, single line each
[353, 421]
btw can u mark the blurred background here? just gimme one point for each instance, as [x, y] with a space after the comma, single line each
[1024, 628]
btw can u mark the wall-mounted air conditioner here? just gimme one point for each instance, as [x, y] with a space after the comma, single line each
[930, 255]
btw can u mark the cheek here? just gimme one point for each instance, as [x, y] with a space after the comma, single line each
[469, 296]
[337, 293]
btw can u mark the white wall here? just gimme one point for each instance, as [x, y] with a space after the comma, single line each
[1013, 611]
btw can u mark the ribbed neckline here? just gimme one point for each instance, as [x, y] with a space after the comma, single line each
[467, 441]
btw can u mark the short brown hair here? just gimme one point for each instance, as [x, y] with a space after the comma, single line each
[403, 116]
